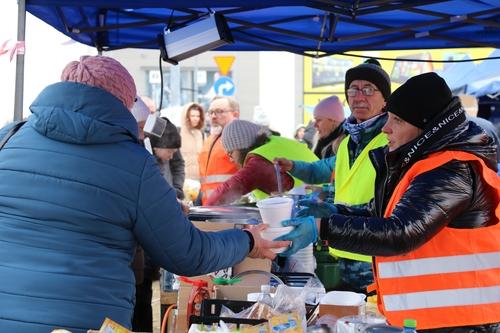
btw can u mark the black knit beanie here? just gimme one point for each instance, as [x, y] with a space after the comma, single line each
[420, 99]
[169, 139]
[370, 71]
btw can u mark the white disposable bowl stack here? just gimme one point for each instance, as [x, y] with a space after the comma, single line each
[274, 210]
[273, 233]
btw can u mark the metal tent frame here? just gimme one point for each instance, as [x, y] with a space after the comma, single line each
[315, 28]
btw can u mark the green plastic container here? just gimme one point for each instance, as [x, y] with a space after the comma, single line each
[327, 268]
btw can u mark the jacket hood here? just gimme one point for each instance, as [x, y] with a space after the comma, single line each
[80, 114]
[462, 135]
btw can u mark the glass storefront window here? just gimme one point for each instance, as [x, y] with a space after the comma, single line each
[195, 86]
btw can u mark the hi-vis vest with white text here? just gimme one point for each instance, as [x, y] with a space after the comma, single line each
[215, 166]
[453, 279]
[283, 147]
[355, 185]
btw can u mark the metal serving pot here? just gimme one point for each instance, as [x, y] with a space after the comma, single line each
[227, 214]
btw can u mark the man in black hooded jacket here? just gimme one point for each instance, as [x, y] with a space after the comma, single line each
[433, 225]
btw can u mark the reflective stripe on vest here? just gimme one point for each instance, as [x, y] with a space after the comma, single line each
[454, 278]
[215, 178]
[215, 166]
[290, 149]
[356, 185]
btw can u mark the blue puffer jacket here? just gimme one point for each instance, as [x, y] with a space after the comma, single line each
[77, 192]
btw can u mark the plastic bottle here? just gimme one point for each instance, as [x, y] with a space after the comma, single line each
[410, 326]
[265, 295]
[167, 280]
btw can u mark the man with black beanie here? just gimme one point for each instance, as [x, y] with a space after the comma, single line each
[433, 225]
[367, 87]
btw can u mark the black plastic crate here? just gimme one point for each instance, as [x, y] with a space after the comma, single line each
[211, 308]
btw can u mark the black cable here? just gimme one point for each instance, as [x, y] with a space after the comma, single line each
[416, 60]
[169, 24]
[161, 84]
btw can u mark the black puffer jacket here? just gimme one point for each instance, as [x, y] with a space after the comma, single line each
[452, 194]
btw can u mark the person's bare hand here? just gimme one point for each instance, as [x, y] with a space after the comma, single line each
[262, 248]
[284, 164]
[185, 207]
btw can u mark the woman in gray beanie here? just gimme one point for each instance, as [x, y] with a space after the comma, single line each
[253, 148]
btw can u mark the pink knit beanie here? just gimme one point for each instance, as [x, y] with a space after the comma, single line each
[330, 108]
[105, 73]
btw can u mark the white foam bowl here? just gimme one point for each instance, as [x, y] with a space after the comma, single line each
[274, 210]
[273, 233]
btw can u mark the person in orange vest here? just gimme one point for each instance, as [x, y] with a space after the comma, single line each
[215, 165]
[433, 225]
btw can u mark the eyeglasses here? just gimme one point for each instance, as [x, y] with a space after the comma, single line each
[217, 112]
[366, 91]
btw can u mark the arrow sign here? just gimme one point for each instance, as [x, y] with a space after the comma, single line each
[224, 86]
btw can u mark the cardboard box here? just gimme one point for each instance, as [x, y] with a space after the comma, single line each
[248, 263]
[236, 292]
[340, 310]
[168, 297]
[215, 226]
[249, 283]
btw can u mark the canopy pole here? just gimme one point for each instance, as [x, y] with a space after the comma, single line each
[21, 33]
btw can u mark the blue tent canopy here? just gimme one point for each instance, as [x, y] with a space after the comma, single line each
[307, 27]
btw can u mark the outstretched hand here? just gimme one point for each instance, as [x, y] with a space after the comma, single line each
[263, 248]
[318, 209]
[304, 233]
[284, 164]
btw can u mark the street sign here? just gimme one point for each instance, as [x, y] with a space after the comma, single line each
[224, 86]
[224, 63]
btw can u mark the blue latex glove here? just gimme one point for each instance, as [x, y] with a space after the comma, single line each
[316, 208]
[305, 233]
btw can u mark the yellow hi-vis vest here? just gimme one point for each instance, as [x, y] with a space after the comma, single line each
[290, 149]
[355, 185]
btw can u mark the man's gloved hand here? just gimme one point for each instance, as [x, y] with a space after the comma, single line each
[316, 208]
[305, 233]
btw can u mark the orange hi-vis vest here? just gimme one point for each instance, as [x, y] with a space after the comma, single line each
[215, 166]
[454, 278]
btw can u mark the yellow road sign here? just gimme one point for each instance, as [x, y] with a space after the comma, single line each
[224, 63]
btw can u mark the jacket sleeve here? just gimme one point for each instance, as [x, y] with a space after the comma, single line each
[317, 172]
[432, 200]
[257, 173]
[171, 239]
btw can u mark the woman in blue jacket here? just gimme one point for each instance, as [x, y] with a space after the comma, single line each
[77, 194]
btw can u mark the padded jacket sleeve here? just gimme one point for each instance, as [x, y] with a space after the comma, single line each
[317, 172]
[172, 240]
[257, 173]
[431, 201]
